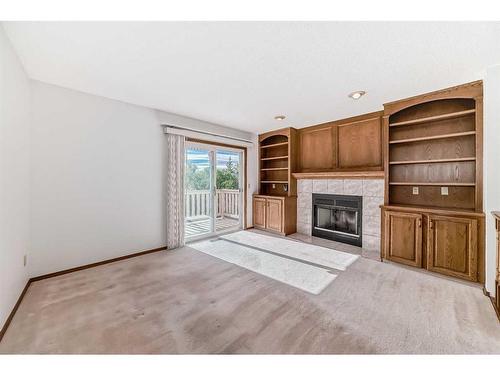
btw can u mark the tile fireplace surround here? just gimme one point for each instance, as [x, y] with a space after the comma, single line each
[372, 191]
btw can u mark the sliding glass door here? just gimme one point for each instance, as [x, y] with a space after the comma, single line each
[213, 190]
[198, 187]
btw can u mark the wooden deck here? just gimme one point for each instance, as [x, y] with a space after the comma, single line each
[201, 225]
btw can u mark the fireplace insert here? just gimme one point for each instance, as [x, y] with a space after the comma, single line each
[337, 217]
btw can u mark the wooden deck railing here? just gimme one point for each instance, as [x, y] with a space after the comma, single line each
[228, 203]
[197, 203]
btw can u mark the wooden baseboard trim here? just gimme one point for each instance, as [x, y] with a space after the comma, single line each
[14, 310]
[91, 265]
[63, 272]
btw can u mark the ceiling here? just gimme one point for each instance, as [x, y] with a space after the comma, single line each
[242, 74]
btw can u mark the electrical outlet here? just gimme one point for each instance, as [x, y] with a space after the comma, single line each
[25, 260]
[415, 190]
[444, 190]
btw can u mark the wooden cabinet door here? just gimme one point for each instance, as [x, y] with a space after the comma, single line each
[452, 246]
[403, 238]
[317, 149]
[274, 214]
[360, 144]
[259, 213]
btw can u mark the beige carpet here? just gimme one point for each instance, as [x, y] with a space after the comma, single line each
[184, 301]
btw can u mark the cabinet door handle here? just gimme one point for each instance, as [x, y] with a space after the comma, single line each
[420, 223]
[431, 224]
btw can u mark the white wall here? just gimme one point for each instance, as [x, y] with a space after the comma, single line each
[491, 167]
[14, 176]
[97, 179]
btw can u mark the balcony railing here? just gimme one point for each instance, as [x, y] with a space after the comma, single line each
[227, 203]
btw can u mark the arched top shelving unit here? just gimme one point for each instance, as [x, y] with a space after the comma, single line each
[277, 162]
[434, 149]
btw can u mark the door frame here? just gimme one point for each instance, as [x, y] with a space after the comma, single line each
[213, 146]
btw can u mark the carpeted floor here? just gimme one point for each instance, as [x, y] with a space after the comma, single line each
[185, 301]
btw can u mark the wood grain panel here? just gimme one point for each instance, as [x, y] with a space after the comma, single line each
[459, 197]
[452, 99]
[274, 214]
[317, 149]
[497, 283]
[439, 172]
[403, 238]
[274, 175]
[259, 213]
[460, 147]
[271, 152]
[452, 246]
[367, 174]
[278, 190]
[277, 163]
[360, 144]
[455, 125]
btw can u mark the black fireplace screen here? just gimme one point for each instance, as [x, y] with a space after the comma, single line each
[337, 217]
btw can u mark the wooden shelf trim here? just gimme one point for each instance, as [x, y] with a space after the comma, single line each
[275, 158]
[274, 169]
[339, 174]
[451, 135]
[434, 118]
[433, 183]
[275, 145]
[274, 182]
[432, 210]
[452, 160]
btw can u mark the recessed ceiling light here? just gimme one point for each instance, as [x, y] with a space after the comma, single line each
[279, 118]
[356, 94]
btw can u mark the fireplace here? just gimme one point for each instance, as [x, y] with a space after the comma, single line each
[337, 218]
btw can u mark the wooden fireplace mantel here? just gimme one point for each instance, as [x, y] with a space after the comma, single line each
[339, 175]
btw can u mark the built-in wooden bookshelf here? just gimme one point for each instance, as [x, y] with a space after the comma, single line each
[277, 161]
[275, 207]
[432, 145]
[432, 215]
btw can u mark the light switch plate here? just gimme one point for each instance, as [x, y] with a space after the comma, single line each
[415, 190]
[444, 190]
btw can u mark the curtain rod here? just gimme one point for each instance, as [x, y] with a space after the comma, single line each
[207, 133]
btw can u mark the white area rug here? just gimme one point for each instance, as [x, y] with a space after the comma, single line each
[304, 266]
